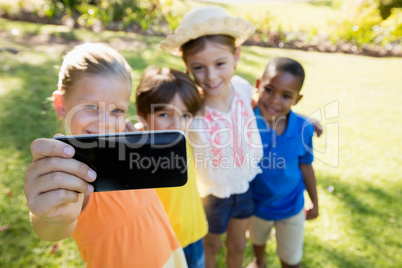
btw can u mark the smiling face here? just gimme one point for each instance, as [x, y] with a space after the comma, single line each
[278, 91]
[172, 116]
[213, 68]
[96, 104]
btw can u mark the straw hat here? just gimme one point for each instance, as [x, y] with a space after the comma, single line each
[208, 20]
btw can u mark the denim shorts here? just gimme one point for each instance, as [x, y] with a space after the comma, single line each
[195, 256]
[219, 211]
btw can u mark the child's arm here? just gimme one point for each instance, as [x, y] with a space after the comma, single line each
[311, 187]
[316, 124]
[55, 185]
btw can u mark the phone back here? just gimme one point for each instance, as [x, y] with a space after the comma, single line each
[137, 160]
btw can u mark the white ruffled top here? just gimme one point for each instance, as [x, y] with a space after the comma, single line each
[227, 146]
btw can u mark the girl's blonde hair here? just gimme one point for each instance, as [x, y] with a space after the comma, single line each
[91, 59]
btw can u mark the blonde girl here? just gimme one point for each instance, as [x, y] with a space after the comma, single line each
[112, 229]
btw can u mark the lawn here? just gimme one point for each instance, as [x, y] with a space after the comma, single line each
[358, 171]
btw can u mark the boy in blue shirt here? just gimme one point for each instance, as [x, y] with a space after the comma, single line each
[287, 170]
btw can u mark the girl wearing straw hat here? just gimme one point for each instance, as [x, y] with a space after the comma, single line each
[226, 143]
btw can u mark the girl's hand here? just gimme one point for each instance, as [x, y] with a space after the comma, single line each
[133, 128]
[317, 126]
[312, 213]
[55, 183]
[254, 99]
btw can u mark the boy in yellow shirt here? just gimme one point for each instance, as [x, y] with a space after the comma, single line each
[168, 99]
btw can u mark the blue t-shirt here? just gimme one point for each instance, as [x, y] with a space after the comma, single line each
[278, 190]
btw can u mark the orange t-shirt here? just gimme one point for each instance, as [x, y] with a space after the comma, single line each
[125, 229]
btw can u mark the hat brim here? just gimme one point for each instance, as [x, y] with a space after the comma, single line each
[238, 28]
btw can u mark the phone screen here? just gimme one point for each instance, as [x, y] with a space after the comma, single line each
[137, 160]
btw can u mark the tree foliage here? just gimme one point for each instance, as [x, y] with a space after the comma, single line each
[385, 7]
[115, 14]
[369, 22]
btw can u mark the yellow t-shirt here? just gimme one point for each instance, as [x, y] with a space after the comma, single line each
[184, 207]
[127, 229]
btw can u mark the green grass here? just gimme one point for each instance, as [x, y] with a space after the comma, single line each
[360, 222]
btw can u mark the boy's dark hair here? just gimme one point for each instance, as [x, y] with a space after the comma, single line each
[160, 85]
[288, 65]
[196, 45]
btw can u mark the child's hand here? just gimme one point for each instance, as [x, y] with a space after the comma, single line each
[55, 183]
[317, 126]
[133, 128]
[312, 213]
[254, 100]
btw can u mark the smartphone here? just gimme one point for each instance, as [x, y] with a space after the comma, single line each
[134, 160]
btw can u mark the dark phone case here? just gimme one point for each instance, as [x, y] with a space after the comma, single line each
[138, 160]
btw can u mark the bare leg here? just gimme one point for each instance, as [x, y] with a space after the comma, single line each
[236, 242]
[212, 244]
[284, 265]
[259, 259]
